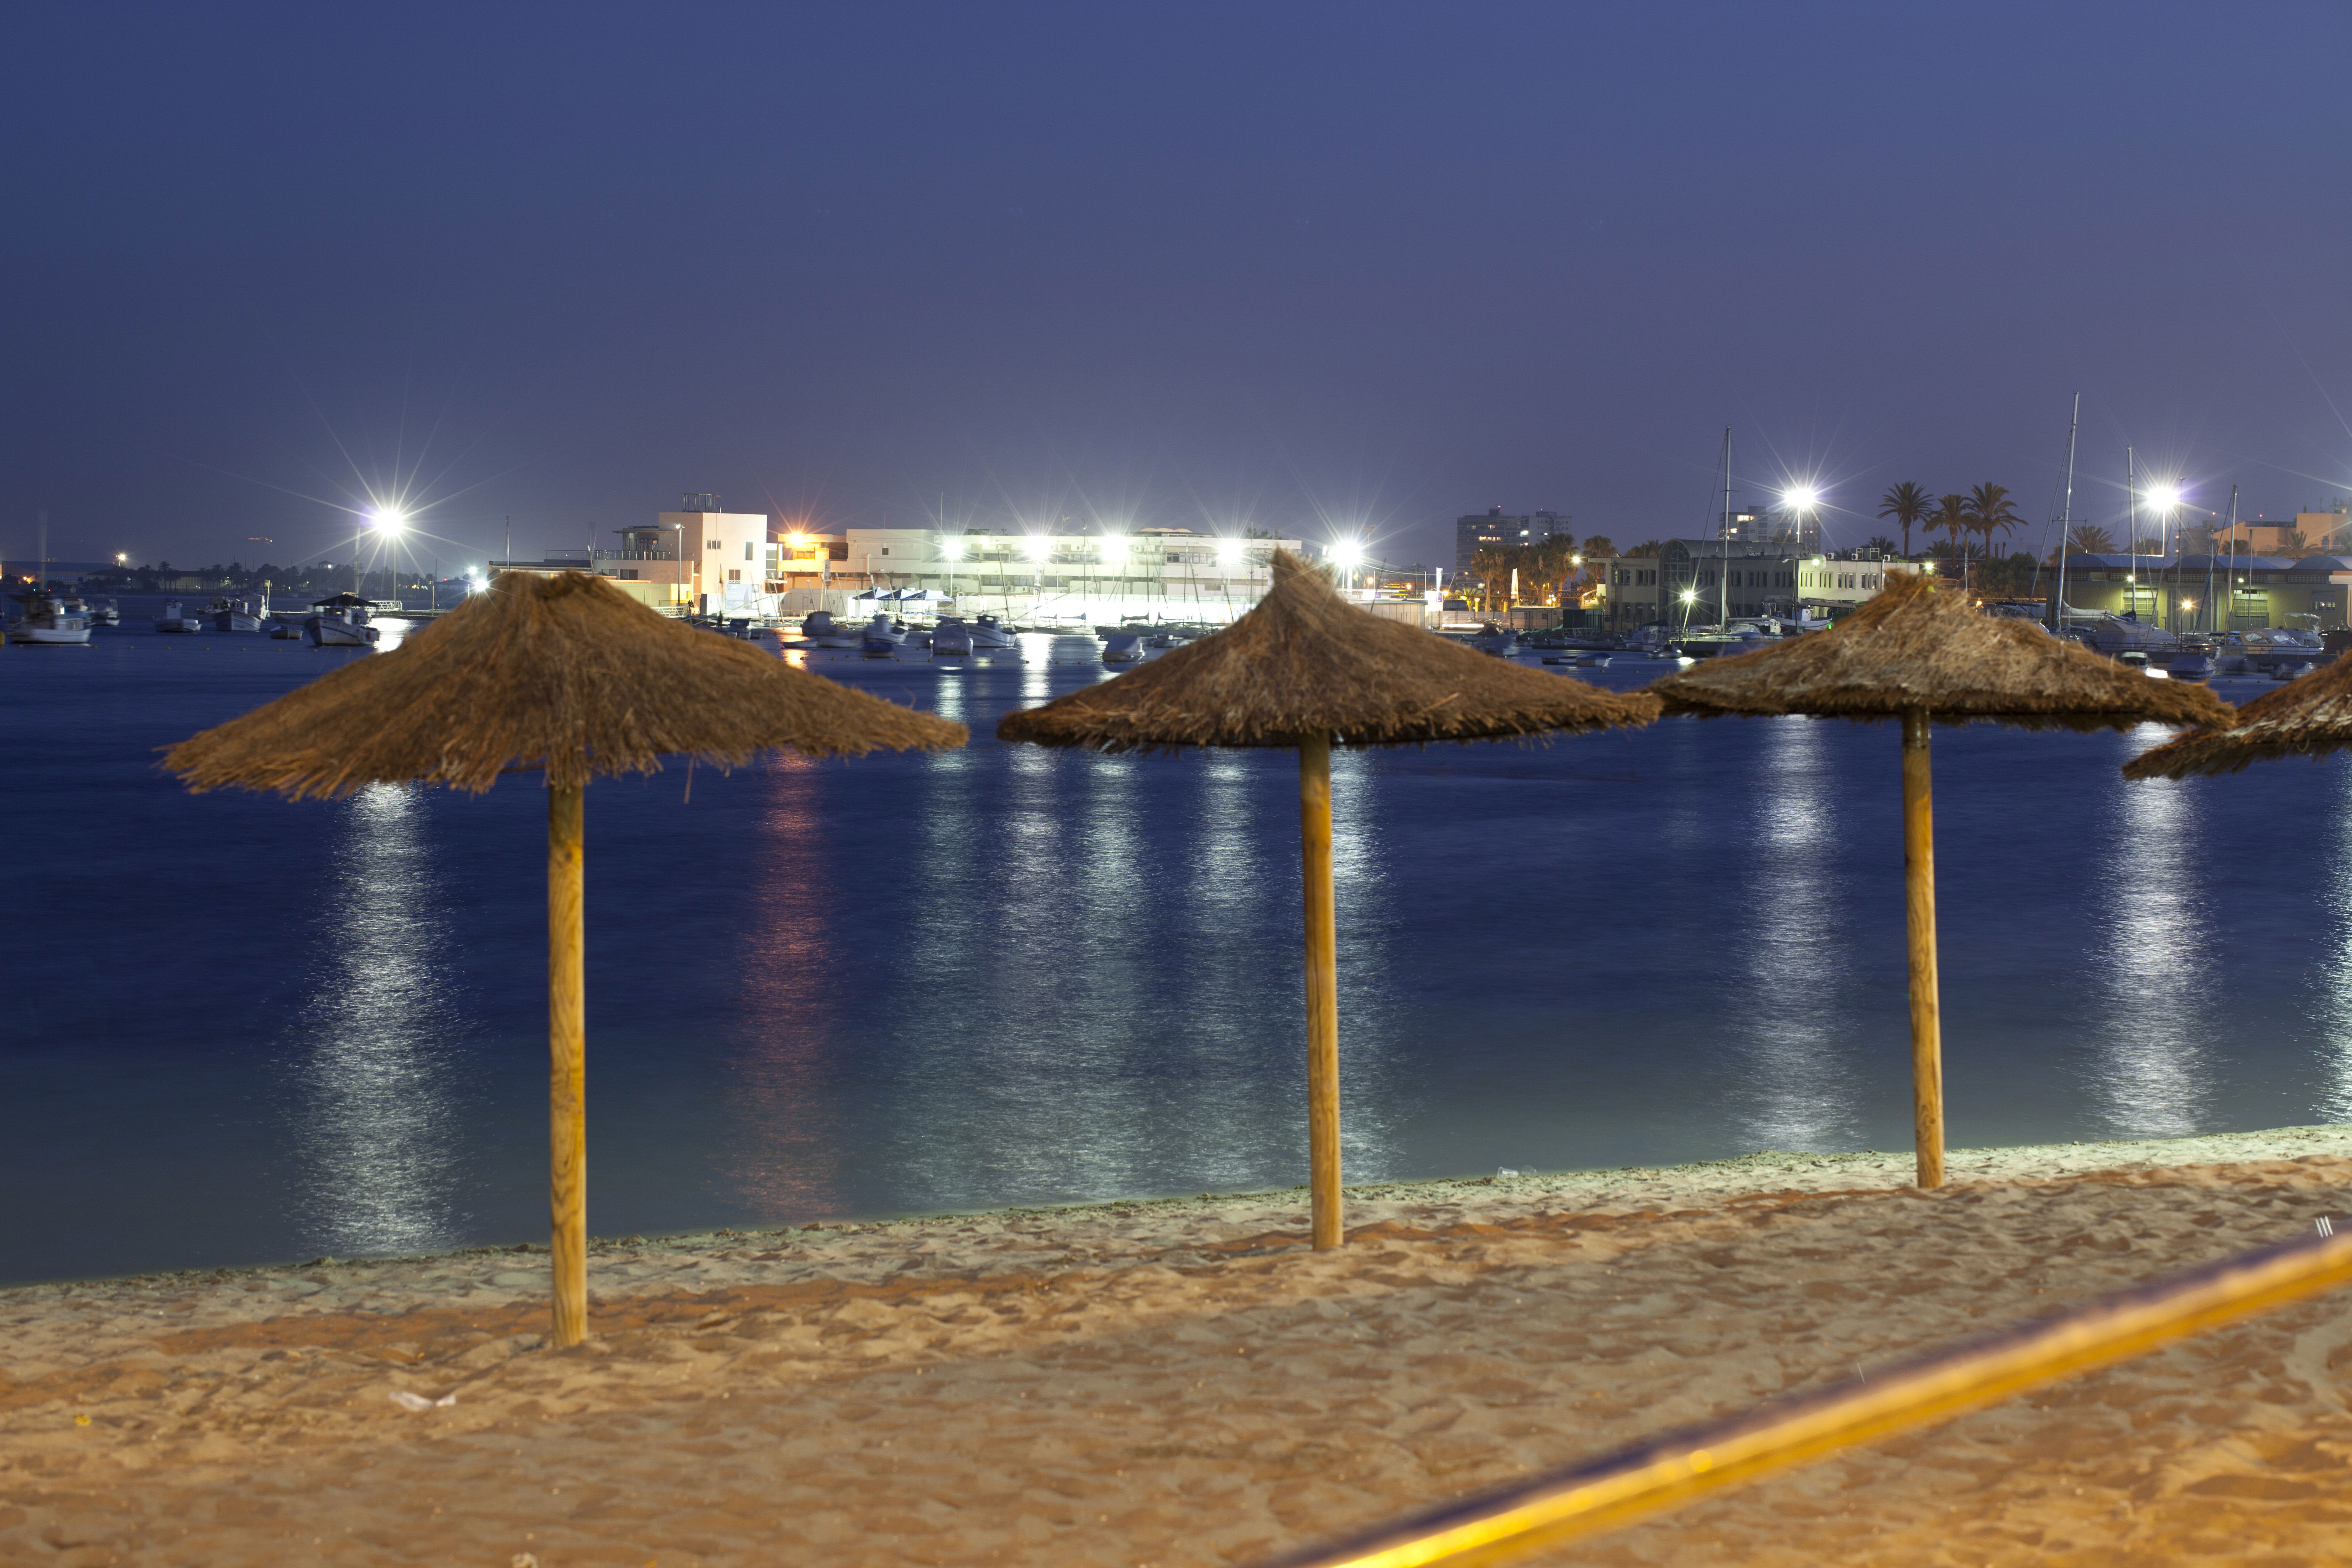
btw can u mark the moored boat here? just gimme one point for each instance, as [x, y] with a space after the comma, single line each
[1123, 647]
[988, 632]
[48, 622]
[172, 620]
[341, 621]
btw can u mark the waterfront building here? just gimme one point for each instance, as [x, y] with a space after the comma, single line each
[2213, 593]
[1751, 580]
[1172, 573]
[1489, 529]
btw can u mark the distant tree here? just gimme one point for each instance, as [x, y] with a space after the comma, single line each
[1991, 512]
[1646, 549]
[1883, 545]
[2156, 547]
[1598, 544]
[1952, 517]
[2089, 539]
[1908, 505]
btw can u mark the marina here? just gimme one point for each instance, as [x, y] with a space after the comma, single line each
[1001, 976]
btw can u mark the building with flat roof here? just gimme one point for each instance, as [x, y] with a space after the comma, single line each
[1720, 577]
[1488, 529]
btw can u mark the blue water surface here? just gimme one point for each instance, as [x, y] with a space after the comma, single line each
[243, 1030]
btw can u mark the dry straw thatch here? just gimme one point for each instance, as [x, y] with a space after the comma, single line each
[1305, 662]
[562, 673]
[1302, 668]
[1912, 647]
[2308, 717]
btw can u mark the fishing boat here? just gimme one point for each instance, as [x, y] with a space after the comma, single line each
[881, 637]
[341, 621]
[988, 632]
[110, 614]
[172, 621]
[239, 615]
[2190, 666]
[951, 639]
[1123, 647]
[48, 623]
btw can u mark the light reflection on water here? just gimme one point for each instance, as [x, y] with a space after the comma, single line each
[1007, 976]
[377, 1131]
[2155, 1026]
[1795, 1040]
[2331, 1018]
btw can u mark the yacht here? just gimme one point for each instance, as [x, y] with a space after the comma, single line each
[172, 620]
[1123, 647]
[48, 623]
[341, 622]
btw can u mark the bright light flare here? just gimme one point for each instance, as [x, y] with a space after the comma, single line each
[1037, 546]
[1800, 498]
[387, 520]
[1114, 544]
[1348, 554]
[950, 549]
[2164, 497]
[1229, 552]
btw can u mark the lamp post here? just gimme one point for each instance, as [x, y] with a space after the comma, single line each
[2164, 500]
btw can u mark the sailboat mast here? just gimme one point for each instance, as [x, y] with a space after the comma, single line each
[2210, 607]
[1723, 532]
[2066, 517]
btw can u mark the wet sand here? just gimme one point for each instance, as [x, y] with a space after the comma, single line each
[1181, 1382]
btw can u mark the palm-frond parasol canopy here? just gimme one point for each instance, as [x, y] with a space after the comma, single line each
[1300, 669]
[568, 677]
[2308, 717]
[1916, 655]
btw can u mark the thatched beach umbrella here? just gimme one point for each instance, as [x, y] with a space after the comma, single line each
[2308, 717]
[569, 677]
[1915, 654]
[1302, 668]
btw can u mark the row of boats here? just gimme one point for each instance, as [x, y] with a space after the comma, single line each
[954, 637]
[66, 620]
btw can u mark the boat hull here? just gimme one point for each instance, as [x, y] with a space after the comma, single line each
[49, 637]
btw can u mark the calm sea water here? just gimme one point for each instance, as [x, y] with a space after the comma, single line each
[242, 1030]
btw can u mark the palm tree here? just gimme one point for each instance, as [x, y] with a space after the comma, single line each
[1907, 504]
[2089, 539]
[1991, 512]
[1952, 517]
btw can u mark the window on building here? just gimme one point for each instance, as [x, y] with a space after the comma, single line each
[734, 574]
[747, 549]
[712, 544]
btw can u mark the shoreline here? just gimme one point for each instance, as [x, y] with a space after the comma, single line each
[1375, 1203]
[1181, 1382]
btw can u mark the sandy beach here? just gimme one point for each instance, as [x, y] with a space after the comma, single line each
[1181, 1382]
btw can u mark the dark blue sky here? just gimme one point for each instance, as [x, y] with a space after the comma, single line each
[1304, 265]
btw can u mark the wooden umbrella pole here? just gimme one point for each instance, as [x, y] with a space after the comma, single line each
[1919, 907]
[1322, 990]
[567, 1108]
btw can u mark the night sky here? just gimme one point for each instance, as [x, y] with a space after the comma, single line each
[1307, 268]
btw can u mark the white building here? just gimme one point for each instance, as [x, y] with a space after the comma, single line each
[1171, 573]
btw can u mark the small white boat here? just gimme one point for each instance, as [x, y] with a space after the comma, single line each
[951, 639]
[988, 632]
[172, 620]
[48, 622]
[341, 622]
[1123, 647]
[110, 614]
[239, 615]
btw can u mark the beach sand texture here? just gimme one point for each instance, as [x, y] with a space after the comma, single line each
[1182, 1383]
